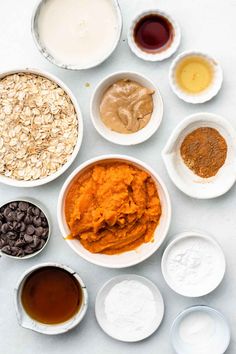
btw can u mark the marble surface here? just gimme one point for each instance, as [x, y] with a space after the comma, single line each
[206, 25]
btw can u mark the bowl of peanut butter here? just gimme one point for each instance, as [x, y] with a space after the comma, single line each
[126, 108]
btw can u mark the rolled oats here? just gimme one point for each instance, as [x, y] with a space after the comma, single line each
[38, 127]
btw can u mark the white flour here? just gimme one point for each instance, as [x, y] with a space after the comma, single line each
[130, 307]
[194, 265]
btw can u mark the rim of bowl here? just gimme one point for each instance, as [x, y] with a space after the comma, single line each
[39, 182]
[128, 159]
[43, 50]
[141, 279]
[186, 235]
[41, 206]
[205, 95]
[162, 55]
[195, 308]
[205, 117]
[27, 322]
[131, 139]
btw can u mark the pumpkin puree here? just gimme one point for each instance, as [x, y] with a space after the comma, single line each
[112, 208]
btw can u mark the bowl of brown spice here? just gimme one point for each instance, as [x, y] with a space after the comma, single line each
[200, 156]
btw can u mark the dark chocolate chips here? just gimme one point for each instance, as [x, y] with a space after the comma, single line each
[23, 228]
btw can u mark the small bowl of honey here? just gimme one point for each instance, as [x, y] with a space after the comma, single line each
[154, 35]
[195, 77]
[50, 298]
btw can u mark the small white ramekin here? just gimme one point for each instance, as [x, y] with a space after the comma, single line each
[45, 211]
[108, 328]
[199, 289]
[35, 183]
[184, 179]
[133, 138]
[163, 53]
[126, 259]
[27, 322]
[44, 51]
[205, 95]
[221, 327]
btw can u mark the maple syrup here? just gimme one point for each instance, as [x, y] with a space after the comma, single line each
[153, 33]
[51, 295]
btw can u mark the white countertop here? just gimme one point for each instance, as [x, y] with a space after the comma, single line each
[207, 25]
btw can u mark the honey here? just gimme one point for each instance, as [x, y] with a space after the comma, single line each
[194, 74]
[51, 295]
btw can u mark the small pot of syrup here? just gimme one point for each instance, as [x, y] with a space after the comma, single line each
[154, 36]
[50, 298]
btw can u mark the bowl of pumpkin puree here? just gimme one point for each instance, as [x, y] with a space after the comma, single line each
[114, 211]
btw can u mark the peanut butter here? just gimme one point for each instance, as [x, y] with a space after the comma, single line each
[126, 106]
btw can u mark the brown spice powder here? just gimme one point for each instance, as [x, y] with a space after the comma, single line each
[204, 151]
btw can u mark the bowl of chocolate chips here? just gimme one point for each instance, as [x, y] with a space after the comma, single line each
[24, 229]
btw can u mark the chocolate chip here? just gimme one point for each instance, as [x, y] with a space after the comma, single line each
[23, 228]
[11, 216]
[20, 216]
[12, 235]
[42, 243]
[37, 221]
[44, 223]
[6, 211]
[39, 231]
[28, 250]
[28, 220]
[30, 230]
[13, 205]
[4, 228]
[14, 250]
[6, 249]
[28, 238]
[20, 243]
[36, 241]
[23, 206]
[45, 233]
[36, 211]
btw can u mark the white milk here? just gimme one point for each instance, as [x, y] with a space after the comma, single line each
[78, 32]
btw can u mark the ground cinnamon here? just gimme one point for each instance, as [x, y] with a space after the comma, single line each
[204, 151]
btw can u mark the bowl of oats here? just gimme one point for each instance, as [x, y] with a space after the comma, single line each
[41, 127]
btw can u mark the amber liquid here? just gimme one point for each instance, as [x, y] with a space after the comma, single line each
[153, 33]
[51, 295]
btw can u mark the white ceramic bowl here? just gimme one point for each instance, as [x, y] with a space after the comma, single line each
[44, 51]
[222, 332]
[182, 176]
[35, 183]
[163, 53]
[205, 95]
[45, 211]
[27, 322]
[125, 259]
[101, 315]
[133, 138]
[201, 287]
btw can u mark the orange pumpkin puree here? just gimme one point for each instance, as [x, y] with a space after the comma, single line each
[112, 208]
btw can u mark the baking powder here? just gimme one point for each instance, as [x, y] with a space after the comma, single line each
[194, 264]
[130, 307]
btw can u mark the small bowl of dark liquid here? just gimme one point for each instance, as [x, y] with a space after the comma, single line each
[154, 36]
[50, 299]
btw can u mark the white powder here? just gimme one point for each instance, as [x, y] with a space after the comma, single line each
[130, 308]
[202, 331]
[197, 329]
[194, 264]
